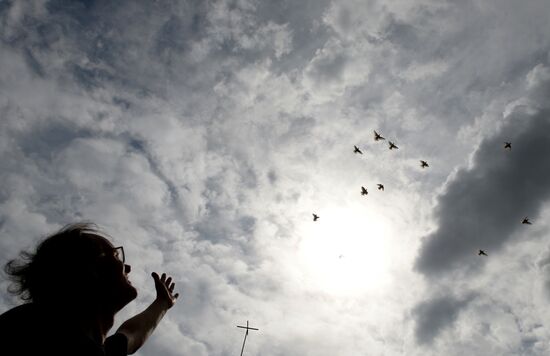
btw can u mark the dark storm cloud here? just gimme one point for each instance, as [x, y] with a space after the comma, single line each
[482, 207]
[434, 315]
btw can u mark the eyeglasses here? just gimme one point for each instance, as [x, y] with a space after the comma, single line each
[119, 254]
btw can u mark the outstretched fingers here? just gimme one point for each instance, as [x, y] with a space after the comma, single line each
[165, 289]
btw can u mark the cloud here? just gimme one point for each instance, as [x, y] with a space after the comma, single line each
[543, 266]
[327, 67]
[436, 314]
[538, 84]
[201, 135]
[482, 206]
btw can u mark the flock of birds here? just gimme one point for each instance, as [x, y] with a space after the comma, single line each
[423, 164]
[392, 146]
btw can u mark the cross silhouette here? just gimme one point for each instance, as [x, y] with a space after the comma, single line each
[246, 334]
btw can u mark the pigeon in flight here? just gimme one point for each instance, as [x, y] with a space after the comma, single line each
[380, 186]
[357, 150]
[364, 191]
[526, 221]
[377, 136]
[481, 253]
[392, 146]
[423, 164]
[315, 217]
[508, 146]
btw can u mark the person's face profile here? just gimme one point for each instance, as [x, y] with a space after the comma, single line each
[113, 272]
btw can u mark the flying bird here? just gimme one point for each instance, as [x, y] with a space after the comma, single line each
[508, 145]
[315, 217]
[364, 191]
[380, 186]
[377, 136]
[392, 146]
[481, 253]
[526, 221]
[423, 164]
[357, 150]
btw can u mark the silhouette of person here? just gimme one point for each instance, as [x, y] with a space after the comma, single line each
[74, 284]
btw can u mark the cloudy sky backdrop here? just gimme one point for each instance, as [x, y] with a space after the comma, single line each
[202, 135]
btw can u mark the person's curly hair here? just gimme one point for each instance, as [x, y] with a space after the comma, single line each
[60, 265]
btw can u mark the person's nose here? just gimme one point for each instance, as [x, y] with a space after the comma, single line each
[127, 269]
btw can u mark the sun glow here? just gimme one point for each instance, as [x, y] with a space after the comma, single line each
[346, 252]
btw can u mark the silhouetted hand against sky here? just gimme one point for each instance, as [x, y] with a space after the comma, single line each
[165, 290]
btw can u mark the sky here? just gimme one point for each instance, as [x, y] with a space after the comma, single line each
[203, 135]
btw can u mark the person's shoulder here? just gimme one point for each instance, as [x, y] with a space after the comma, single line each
[20, 320]
[17, 330]
[19, 313]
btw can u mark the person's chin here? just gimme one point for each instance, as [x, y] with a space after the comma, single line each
[129, 286]
[125, 296]
[131, 291]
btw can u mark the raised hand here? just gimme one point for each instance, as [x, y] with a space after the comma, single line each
[165, 290]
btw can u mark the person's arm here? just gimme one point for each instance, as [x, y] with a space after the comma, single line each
[138, 328]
